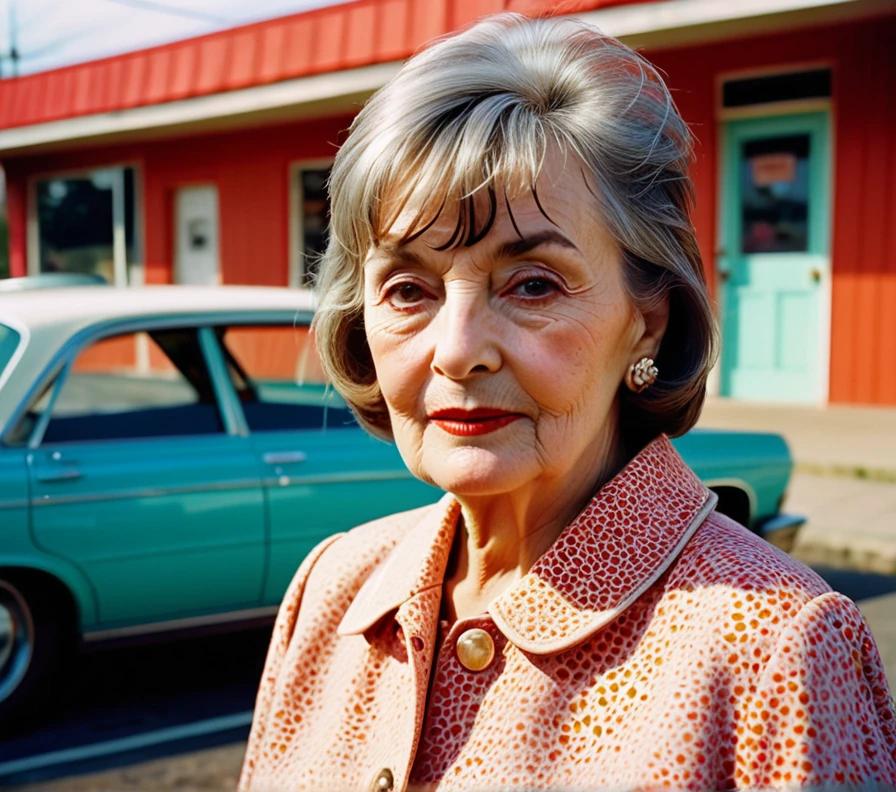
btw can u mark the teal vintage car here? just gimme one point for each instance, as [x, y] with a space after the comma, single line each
[169, 454]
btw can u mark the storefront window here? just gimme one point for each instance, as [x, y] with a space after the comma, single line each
[313, 220]
[86, 224]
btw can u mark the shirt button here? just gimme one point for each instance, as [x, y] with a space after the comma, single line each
[475, 649]
[384, 781]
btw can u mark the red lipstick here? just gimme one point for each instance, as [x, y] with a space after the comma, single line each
[465, 423]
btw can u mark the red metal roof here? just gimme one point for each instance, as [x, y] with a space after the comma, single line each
[345, 36]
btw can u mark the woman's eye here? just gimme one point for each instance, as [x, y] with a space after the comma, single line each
[405, 294]
[535, 287]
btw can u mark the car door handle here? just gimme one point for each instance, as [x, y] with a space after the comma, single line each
[284, 457]
[59, 474]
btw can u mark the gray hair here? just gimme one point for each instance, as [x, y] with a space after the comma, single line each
[480, 110]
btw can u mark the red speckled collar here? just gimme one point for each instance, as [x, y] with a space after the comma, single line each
[617, 547]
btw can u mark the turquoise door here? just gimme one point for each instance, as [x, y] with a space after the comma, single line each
[774, 263]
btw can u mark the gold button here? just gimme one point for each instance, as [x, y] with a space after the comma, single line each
[384, 781]
[475, 649]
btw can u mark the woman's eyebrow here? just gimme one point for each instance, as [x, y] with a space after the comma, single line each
[397, 252]
[518, 247]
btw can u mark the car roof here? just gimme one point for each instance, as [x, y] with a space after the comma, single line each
[79, 306]
[47, 317]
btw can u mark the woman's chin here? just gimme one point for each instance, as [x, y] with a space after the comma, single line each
[472, 471]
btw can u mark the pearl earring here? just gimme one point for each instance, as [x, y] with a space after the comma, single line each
[642, 375]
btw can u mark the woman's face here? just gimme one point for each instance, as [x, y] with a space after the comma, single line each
[500, 362]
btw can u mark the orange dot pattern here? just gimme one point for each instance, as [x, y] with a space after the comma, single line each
[652, 647]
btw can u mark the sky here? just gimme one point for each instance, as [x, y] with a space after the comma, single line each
[52, 33]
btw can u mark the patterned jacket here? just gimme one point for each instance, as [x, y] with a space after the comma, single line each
[656, 644]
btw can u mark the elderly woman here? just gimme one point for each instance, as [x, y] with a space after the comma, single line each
[513, 293]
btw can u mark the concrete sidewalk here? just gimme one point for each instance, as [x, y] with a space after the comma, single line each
[858, 442]
[844, 481]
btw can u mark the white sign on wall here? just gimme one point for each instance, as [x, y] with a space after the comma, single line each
[196, 258]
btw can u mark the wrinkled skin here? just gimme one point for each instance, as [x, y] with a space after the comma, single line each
[546, 333]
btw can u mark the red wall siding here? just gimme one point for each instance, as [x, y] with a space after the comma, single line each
[863, 230]
[250, 169]
[864, 304]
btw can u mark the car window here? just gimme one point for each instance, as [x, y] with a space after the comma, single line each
[135, 385]
[9, 340]
[279, 380]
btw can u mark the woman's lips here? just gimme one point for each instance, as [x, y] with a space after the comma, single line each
[466, 423]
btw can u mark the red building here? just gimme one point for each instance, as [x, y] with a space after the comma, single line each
[204, 161]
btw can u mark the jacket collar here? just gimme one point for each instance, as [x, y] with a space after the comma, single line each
[416, 564]
[618, 546]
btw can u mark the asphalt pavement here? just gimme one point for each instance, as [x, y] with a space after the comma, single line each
[210, 769]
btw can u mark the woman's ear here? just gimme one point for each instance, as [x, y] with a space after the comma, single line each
[655, 318]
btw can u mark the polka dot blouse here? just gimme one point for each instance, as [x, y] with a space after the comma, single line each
[655, 645]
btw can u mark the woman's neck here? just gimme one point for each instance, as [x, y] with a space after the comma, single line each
[500, 537]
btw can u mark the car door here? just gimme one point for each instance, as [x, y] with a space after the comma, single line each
[322, 473]
[136, 478]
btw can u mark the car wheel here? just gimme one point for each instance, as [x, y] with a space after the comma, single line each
[30, 649]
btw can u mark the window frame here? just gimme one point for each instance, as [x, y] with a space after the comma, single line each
[296, 216]
[134, 272]
[203, 322]
[217, 355]
[57, 385]
[766, 109]
[21, 339]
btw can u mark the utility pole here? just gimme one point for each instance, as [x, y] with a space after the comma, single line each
[12, 54]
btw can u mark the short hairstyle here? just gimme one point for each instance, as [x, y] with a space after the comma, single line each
[479, 110]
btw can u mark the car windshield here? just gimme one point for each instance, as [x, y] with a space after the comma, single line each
[9, 340]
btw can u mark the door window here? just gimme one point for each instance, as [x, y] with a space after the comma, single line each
[136, 385]
[775, 194]
[277, 375]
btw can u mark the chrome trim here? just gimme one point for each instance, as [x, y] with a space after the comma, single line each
[181, 624]
[228, 402]
[147, 492]
[781, 522]
[14, 504]
[284, 457]
[62, 474]
[781, 530]
[337, 478]
[40, 426]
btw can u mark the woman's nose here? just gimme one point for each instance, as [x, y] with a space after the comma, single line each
[465, 340]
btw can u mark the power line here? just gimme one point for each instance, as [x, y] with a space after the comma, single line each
[55, 45]
[188, 13]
